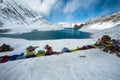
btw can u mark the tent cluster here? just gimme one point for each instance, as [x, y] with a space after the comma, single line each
[30, 53]
[49, 51]
[105, 43]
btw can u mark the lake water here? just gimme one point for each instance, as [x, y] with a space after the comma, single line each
[67, 33]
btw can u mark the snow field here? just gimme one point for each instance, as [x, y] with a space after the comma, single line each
[97, 65]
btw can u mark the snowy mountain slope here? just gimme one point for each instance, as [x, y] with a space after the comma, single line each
[97, 65]
[17, 15]
[114, 18]
[114, 32]
[107, 25]
[101, 23]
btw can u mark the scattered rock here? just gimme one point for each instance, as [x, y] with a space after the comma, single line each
[5, 48]
[118, 54]
[82, 56]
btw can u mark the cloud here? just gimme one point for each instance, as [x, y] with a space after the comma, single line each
[43, 6]
[74, 5]
[46, 6]
[59, 5]
[34, 4]
[71, 6]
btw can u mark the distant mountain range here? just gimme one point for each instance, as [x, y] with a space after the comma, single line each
[17, 13]
[115, 18]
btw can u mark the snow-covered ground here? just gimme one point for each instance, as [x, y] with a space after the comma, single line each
[25, 28]
[97, 65]
[106, 28]
[99, 26]
[20, 45]
[114, 32]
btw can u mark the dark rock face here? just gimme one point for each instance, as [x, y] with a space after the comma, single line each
[78, 26]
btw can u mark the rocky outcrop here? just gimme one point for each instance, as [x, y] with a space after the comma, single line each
[78, 26]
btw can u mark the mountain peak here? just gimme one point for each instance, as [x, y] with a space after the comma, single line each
[17, 12]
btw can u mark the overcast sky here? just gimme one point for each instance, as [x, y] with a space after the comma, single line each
[57, 11]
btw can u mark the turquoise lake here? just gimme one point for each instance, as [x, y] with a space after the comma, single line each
[67, 33]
